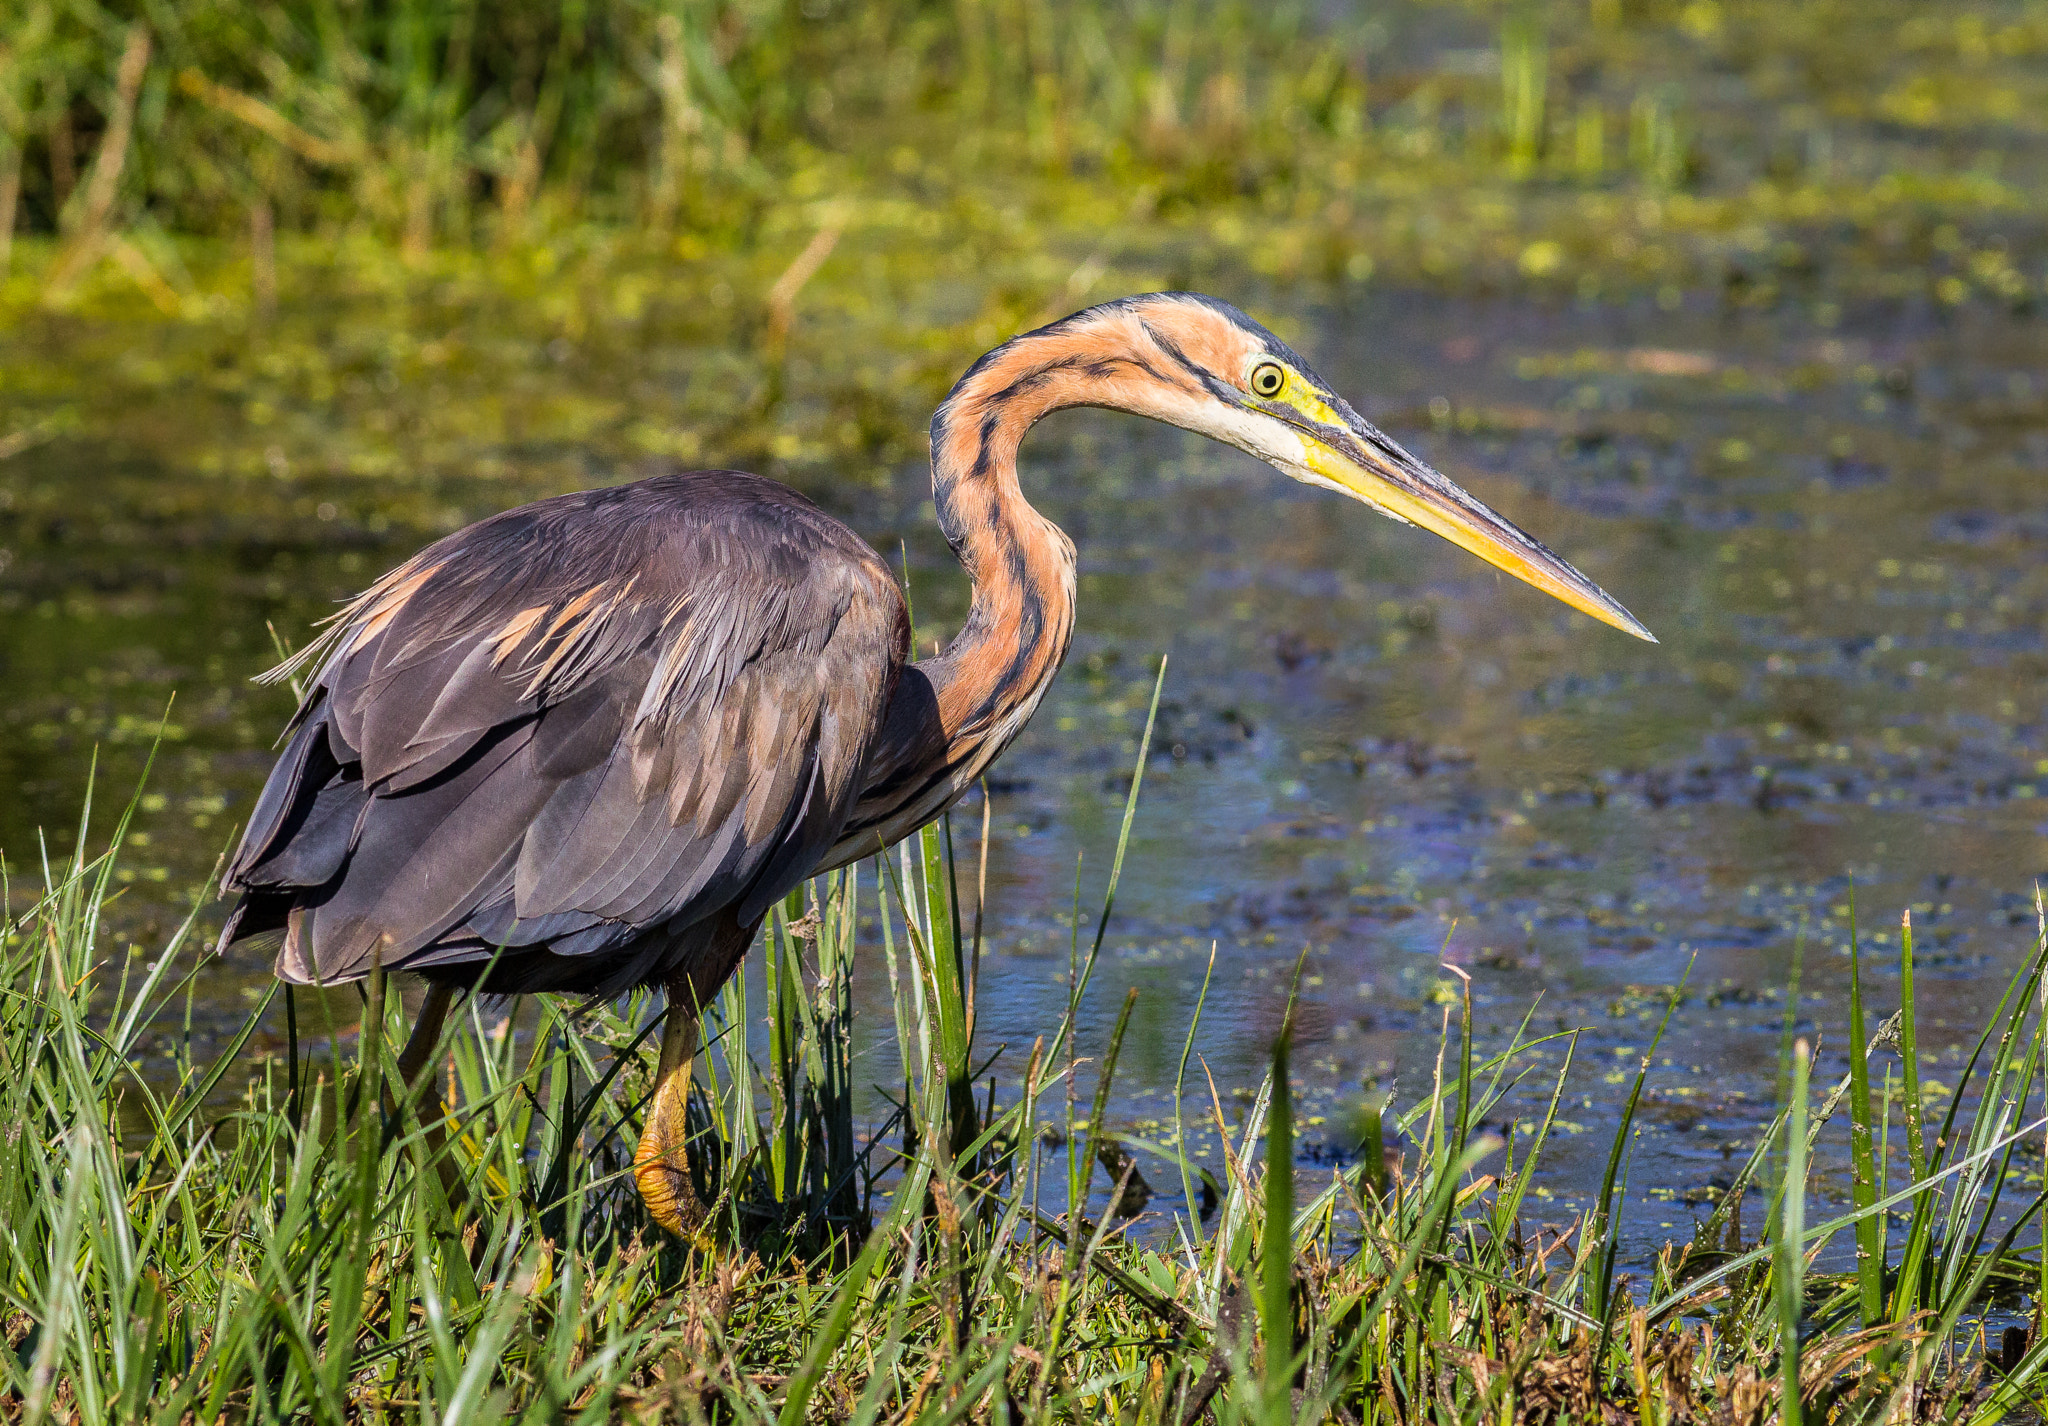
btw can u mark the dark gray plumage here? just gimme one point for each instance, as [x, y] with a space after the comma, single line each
[604, 732]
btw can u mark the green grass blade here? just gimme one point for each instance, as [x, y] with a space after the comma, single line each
[1193, 1221]
[1276, 1247]
[1909, 1052]
[1788, 1262]
[1870, 1229]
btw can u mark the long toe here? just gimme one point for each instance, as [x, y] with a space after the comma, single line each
[663, 1173]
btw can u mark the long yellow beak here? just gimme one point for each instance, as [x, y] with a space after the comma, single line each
[1351, 455]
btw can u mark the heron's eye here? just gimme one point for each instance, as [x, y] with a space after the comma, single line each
[1267, 379]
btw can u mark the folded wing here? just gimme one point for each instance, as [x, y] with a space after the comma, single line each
[559, 741]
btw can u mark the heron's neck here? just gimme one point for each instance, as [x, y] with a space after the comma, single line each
[953, 713]
[989, 680]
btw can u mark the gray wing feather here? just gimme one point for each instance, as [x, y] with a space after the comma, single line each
[576, 726]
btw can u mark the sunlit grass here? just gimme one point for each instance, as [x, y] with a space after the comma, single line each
[325, 1250]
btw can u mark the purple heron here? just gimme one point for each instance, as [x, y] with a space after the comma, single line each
[585, 744]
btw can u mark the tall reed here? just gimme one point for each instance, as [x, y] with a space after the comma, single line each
[421, 125]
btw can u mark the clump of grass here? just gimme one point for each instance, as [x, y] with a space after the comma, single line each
[430, 123]
[327, 1249]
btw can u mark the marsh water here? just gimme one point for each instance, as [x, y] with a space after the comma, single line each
[1370, 748]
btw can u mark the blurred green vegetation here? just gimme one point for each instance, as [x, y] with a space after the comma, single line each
[785, 184]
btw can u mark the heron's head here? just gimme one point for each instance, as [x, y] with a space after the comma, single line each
[1203, 365]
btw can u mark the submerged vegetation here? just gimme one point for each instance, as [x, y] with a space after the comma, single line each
[328, 1246]
[425, 196]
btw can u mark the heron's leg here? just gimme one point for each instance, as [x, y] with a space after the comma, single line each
[412, 1062]
[660, 1167]
[426, 1032]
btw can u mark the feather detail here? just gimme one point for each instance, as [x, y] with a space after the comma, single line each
[586, 731]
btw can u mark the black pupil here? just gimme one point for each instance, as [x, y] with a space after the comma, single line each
[1267, 381]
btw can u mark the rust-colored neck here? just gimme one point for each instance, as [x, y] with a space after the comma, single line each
[952, 714]
[1021, 565]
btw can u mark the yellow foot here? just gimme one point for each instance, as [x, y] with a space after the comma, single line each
[661, 1167]
[670, 1196]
